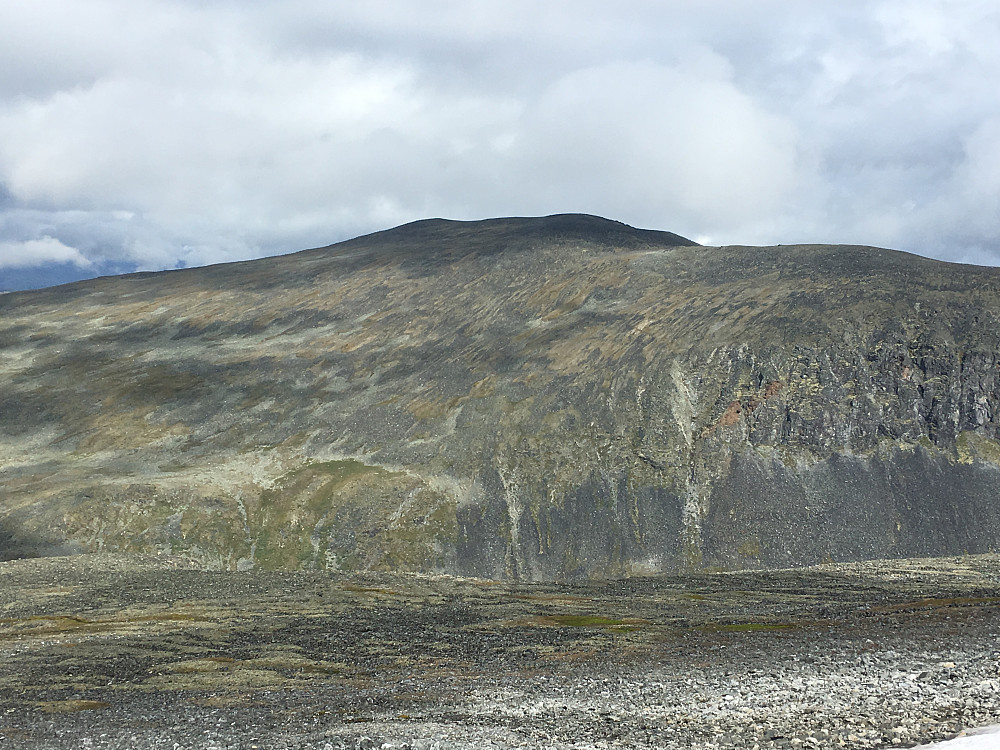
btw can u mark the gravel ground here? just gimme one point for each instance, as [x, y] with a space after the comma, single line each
[112, 652]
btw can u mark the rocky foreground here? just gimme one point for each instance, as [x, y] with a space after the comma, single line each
[117, 652]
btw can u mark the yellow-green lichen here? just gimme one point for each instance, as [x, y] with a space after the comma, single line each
[972, 446]
[749, 548]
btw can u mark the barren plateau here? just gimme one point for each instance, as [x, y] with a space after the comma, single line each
[113, 652]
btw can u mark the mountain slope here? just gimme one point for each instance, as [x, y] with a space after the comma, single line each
[523, 398]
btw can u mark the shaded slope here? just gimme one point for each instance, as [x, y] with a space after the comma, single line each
[542, 398]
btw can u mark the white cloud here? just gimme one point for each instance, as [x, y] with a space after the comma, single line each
[156, 134]
[32, 253]
[655, 143]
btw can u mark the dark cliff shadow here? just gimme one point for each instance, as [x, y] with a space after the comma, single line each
[15, 544]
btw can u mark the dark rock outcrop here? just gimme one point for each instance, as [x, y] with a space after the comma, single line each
[524, 398]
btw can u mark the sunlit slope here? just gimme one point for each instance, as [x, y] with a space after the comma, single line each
[535, 398]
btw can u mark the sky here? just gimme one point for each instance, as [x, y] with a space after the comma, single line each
[156, 134]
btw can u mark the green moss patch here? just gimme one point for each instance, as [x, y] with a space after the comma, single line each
[590, 621]
[348, 515]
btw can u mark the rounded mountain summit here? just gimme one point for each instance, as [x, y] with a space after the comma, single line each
[523, 398]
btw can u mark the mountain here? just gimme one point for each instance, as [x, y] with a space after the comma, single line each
[526, 398]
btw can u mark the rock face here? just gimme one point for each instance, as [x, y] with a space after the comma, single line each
[548, 398]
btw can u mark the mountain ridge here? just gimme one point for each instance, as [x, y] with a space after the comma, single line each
[422, 231]
[545, 398]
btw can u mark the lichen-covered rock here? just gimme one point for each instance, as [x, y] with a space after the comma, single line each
[518, 398]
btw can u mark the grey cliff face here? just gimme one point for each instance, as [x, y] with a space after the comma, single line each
[552, 398]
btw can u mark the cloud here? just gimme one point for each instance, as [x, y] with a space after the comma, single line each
[151, 135]
[648, 141]
[888, 100]
[40, 252]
